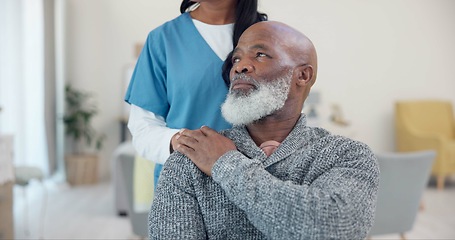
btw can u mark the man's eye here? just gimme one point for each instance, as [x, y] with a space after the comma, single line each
[235, 60]
[259, 54]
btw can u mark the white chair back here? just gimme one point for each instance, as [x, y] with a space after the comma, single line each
[403, 177]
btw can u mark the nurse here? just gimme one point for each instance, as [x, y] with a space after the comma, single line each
[177, 82]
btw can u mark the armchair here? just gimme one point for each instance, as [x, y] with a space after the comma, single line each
[402, 180]
[138, 220]
[425, 125]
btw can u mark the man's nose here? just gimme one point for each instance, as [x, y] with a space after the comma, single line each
[243, 67]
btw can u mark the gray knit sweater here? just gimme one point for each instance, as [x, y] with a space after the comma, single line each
[314, 186]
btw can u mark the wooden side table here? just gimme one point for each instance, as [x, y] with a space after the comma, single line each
[6, 187]
[6, 211]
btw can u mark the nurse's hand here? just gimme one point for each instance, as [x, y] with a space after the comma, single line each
[173, 142]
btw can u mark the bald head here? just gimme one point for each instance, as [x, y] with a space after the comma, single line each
[292, 42]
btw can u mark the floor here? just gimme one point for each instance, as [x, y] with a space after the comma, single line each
[83, 212]
[87, 212]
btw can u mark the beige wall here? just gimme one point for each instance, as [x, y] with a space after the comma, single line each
[371, 53]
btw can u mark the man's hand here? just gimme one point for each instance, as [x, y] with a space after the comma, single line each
[203, 146]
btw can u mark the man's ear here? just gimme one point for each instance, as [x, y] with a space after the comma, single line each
[305, 75]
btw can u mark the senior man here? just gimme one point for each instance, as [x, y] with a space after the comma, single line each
[270, 176]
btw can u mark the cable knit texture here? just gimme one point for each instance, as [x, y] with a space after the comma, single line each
[314, 186]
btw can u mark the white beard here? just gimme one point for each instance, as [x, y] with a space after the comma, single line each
[241, 108]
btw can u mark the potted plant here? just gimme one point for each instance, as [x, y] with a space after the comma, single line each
[82, 162]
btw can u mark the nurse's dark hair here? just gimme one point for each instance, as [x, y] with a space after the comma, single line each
[246, 14]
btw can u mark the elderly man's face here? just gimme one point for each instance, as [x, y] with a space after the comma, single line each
[260, 55]
[260, 78]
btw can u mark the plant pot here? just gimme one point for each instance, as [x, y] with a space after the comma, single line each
[81, 169]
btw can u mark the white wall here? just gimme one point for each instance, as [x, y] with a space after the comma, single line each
[371, 53]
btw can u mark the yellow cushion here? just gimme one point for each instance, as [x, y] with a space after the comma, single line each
[143, 184]
[424, 125]
[429, 116]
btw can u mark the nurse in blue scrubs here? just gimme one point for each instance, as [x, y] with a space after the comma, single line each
[177, 82]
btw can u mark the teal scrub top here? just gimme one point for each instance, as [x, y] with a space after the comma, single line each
[178, 76]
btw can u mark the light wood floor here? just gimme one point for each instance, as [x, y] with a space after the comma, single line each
[88, 212]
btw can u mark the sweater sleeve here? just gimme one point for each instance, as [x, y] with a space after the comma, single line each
[175, 213]
[338, 203]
